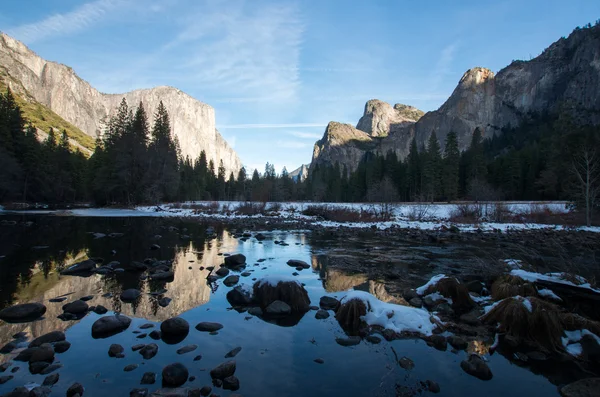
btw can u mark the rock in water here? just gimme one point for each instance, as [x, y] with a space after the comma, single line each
[129, 295]
[187, 349]
[174, 375]
[476, 367]
[589, 387]
[50, 337]
[208, 327]
[149, 378]
[349, 341]
[80, 268]
[74, 389]
[22, 313]
[174, 330]
[322, 314]
[238, 296]
[233, 352]
[290, 292]
[149, 351]
[231, 383]
[43, 353]
[50, 380]
[230, 281]
[278, 308]
[62, 346]
[329, 303]
[223, 370]
[116, 350]
[235, 261]
[110, 325]
[298, 264]
[76, 307]
[457, 342]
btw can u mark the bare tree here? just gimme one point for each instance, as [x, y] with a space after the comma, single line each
[586, 169]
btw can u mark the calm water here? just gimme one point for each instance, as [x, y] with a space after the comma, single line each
[274, 361]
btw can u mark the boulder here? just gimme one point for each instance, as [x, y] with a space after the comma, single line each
[77, 307]
[223, 370]
[81, 268]
[476, 367]
[329, 303]
[238, 296]
[231, 383]
[222, 272]
[290, 292]
[298, 264]
[174, 329]
[62, 346]
[50, 337]
[349, 341]
[75, 389]
[149, 378]
[235, 261]
[50, 380]
[163, 276]
[321, 314]
[208, 326]
[230, 281]
[110, 325]
[457, 342]
[187, 349]
[174, 375]
[40, 391]
[589, 387]
[43, 353]
[116, 350]
[129, 295]
[149, 351]
[278, 308]
[24, 312]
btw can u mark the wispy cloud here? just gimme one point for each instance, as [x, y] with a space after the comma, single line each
[443, 66]
[244, 47]
[293, 144]
[306, 135]
[67, 23]
[261, 126]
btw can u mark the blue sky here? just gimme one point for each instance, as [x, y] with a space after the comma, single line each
[277, 71]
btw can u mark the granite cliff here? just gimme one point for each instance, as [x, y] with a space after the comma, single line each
[58, 87]
[564, 78]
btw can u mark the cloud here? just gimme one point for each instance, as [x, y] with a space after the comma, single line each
[443, 65]
[261, 126]
[293, 144]
[306, 135]
[245, 48]
[67, 23]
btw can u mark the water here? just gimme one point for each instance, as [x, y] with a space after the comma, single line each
[274, 360]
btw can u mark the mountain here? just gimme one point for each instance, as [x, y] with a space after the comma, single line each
[300, 174]
[564, 78]
[58, 87]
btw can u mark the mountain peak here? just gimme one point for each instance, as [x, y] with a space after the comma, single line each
[380, 118]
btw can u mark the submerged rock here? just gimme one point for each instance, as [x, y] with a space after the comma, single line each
[223, 370]
[50, 380]
[321, 314]
[187, 349]
[80, 268]
[209, 327]
[24, 312]
[230, 281]
[406, 363]
[76, 307]
[149, 378]
[476, 367]
[457, 342]
[110, 325]
[149, 351]
[174, 375]
[231, 383]
[589, 387]
[74, 389]
[233, 352]
[116, 350]
[129, 295]
[349, 341]
[50, 337]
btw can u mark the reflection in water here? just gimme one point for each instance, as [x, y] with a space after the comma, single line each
[187, 290]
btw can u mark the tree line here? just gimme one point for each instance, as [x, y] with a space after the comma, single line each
[139, 161]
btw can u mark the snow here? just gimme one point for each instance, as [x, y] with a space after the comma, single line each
[434, 215]
[558, 278]
[488, 308]
[527, 305]
[273, 280]
[433, 281]
[548, 293]
[514, 263]
[436, 296]
[575, 349]
[480, 299]
[398, 318]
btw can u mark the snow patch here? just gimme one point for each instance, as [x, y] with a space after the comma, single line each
[480, 299]
[574, 349]
[558, 278]
[273, 280]
[433, 281]
[436, 296]
[527, 303]
[548, 293]
[514, 263]
[398, 318]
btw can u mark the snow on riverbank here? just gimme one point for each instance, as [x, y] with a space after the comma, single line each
[432, 216]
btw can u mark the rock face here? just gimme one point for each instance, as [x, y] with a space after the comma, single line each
[380, 118]
[60, 89]
[565, 77]
[300, 174]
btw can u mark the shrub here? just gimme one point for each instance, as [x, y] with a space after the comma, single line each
[344, 214]
[250, 208]
[349, 316]
[507, 286]
[466, 213]
[420, 212]
[274, 207]
[451, 288]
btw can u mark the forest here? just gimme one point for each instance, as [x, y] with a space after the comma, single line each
[137, 160]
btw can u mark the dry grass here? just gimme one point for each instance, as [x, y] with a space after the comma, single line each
[342, 214]
[466, 213]
[451, 288]
[289, 292]
[349, 316]
[507, 286]
[250, 208]
[539, 328]
[574, 322]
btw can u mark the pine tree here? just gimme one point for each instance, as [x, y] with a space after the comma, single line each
[433, 169]
[221, 187]
[451, 166]
[414, 171]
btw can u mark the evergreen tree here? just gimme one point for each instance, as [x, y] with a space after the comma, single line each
[414, 171]
[451, 167]
[433, 169]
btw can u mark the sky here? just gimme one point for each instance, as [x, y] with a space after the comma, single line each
[277, 71]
